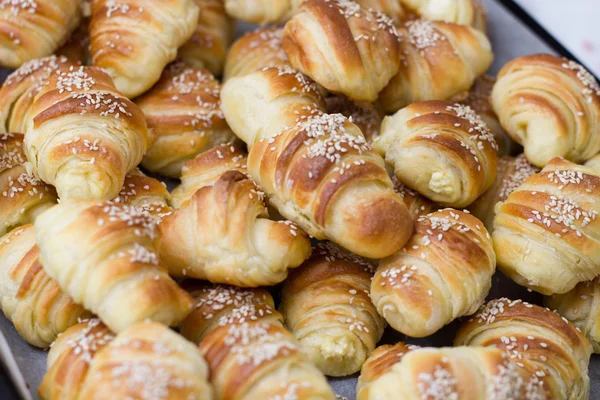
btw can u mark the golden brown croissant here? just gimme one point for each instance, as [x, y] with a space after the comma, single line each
[32, 29]
[102, 254]
[442, 150]
[546, 232]
[147, 193]
[438, 61]
[262, 12]
[444, 272]
[417, 205]
[183, 110]
[345, 48]
[22, 196]
[551, 106]
[133, 40]
[316, 168]
[32, 301]
[326, 305]
[256, 360]
[392, 8]
[83, 136]
[207, 48]
[594, 163]
[538, 341]
[510, 174]
[220, 305]
[462, 12]
[366, 116]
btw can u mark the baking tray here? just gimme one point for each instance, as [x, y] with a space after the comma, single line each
[513, 33]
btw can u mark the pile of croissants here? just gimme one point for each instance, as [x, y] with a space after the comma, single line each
[351, 159]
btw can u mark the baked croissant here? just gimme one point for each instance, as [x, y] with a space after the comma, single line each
[256, 360]
[207, 48]
[183, 110]
[551, 106]
[510, 174]
[34, 28]
[221, 305]
[326, 305]
[33, 302]
[133, 40]
[546, 232]
[444, 272]
[262, 12]
[102, 254]
[83, 136]
[537, 340]
[366, 116]
[146, 193]
[594, 163]
[417, 205]
[442, 150]
[438, 61]
[22, 196]
[316, 168]
[462, 12]
[345, 48]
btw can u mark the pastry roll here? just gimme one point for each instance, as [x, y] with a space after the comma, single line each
[546, 232]
[316, 168]
[221, 305]
[133, 40]
[146, 193]
[538, 341]
[594, 163]
[83, 136]
[207, 48]
[30, 299]
[510, 174]
[461, 12]
[366, 116]
[417, 204]
[32, 29]
[22, 196]
[326, 305]
[551, 106]
[442, 150]
[183, 110]
[444, 272]
[255, 360]
[438, 61]
[262, 11]
[345, 48]
[392, 8]
[102, 254]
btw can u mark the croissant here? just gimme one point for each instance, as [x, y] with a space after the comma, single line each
[256, 360]
[146, 193]
[366, 116]
[33, 302]
[537, 340]
[83, 136]
[511, 172]
[462, 12]
[316, 168]
[438, 61]
[327, 307]
[133, 40]
[207, 48]
[34, 28]
[392, 8]
[546, 232]
[444, 272]
[102, 254]
[262, 12]
[417, 205]
[345, 48]
[220, 305]
[447, 373]
[594, 163]
[23, 197]
[183, 110]
[442, 150]
[551, 106]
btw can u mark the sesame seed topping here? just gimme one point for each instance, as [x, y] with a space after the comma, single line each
[591, 87]
[522, 170]
[422, 34]
[18, 6]
[480, 131]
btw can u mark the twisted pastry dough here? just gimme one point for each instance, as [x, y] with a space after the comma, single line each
[107, 262]
[255, 360]
[31, 300]
[183, 110]
[345, 48]
[22, 196]
[262, 12]
[145, 193]
[83, 136]
[444, 272]
[367, 117]
[32, 29]
[551, 106]
[461, 12]
[539, 341]
[546, 234]
[594, 163]
[327, 307]
[417, 205]
[438, 61]
[442, 150]
[316, 168]
[133, 40]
